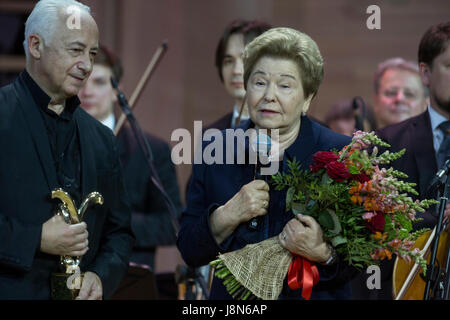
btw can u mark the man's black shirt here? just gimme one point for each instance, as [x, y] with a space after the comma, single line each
[63, 137]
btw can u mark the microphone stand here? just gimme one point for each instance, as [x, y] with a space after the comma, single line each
[446, 292]
[147, 151]
[360, 112]
[435, 277]
[191, 276]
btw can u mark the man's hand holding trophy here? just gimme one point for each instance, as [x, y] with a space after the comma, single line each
[66, 235]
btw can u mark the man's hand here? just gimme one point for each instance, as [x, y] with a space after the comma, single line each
[60, 238]
[91, 287]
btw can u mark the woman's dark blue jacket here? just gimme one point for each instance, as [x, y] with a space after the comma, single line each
[212, 185]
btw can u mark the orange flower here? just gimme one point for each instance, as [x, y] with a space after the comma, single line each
[360, 187]
[379, 254]
[356, 189]
[388, 254]
[382, 254]
[377, 235]
[369, 186]
[356, 199]
[380, 236]
[370, 204]
[395, 243]
[353, 190]
[348, 163]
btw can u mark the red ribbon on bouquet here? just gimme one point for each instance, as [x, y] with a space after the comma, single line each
[302, 274]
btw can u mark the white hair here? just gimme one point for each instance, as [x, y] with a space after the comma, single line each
[44, 18]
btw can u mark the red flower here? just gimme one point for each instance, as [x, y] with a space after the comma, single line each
[321, 159]
[376, 223]
[362, 177]
[337, 171]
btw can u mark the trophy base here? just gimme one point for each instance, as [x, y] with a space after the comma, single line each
[59, 288]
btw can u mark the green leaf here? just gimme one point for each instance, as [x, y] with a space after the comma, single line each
[404, 222]
[338, 240]
[299, 208]
[312, 208]
[326, 179]
[353, 169]
[311, 204]
[337, 225]
[403, 233]
[326, 220]
[289, 197]
[389, 226]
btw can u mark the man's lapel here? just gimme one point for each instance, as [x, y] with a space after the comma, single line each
[423, 150]
[88, 169]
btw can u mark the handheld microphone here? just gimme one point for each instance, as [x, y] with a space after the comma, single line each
[437, 179]
[261, 144]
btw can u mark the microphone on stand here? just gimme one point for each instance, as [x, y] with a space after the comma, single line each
[261, 144]
[438, 178]
[359, 106]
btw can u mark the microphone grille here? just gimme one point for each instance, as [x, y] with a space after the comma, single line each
[261, 143]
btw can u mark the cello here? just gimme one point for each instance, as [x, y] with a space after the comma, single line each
[407, 280]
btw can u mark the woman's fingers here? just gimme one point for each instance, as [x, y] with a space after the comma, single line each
[260, 185]
[308, 221]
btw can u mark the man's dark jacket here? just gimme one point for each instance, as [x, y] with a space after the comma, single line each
[27, 177]
[419, 161]
[151, 221]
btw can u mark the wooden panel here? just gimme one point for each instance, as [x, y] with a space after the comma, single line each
[12, 63]
[17, 6]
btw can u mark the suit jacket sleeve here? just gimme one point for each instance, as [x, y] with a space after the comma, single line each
[111, 262]
[19, 240]
[19, 243]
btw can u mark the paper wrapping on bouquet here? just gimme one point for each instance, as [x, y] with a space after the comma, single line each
[260, 267]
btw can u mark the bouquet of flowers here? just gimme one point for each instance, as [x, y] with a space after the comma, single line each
[365, 213]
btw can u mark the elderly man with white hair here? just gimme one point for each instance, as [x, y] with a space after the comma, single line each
[49, 142]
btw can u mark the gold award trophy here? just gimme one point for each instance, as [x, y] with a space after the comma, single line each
[66, 284]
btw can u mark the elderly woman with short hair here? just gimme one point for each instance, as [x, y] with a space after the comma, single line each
[283, 69]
